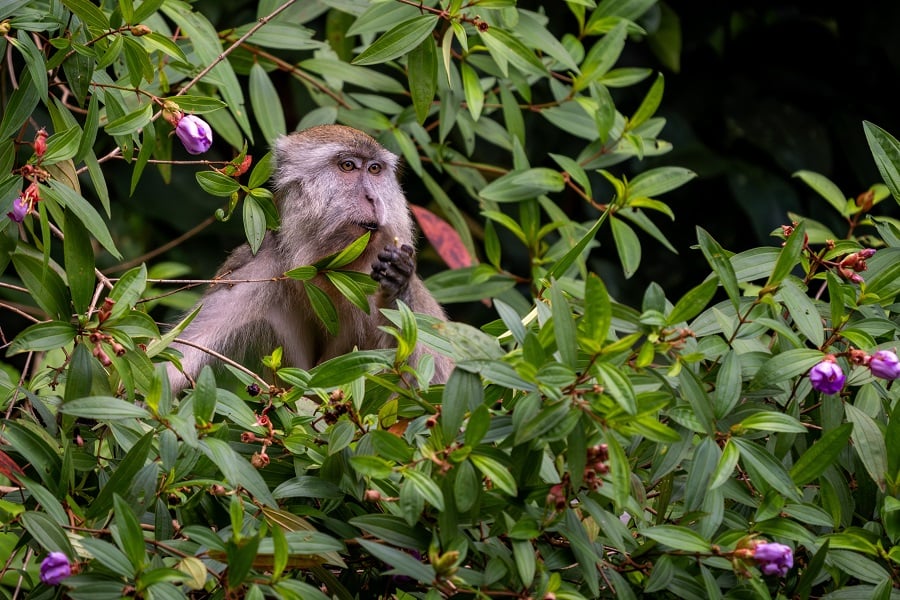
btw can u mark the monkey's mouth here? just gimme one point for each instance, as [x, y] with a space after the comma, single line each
[369, 225]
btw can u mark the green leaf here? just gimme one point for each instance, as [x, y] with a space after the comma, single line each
[462, 392]
[472, 89]
[725, 467]
[347, 285]
[693, 391]
[88, 12]
[718, 259]
[563, 326]
[765, 465]
[198, 105]
[787, 258]
[694, 301]
[649, 104]
[505, 48]
[348, 254]
[425, 486]
[43, 336]
[20, 106]
[628, 246]
[594, 325]
[237, 470]
[104, 408]
[773, 421]
[217, 184]
[868, 441]
[35, 61]
[254, 223]
[82, 210]
[678, 538]
[47, 533]
[602, 56]
[785, 365]
[266, 104]
[422, 68]
[803, 310]
[825, 188]
[128, 534]
[46, 287]
[346, 368]
[886, 152]
[323, 307]
[371, 466]
[122, 477]
[821, 455]
[522, 185]
[127, 291]
[401, 562]
[397, 41]
[658, 181]
[496, 472]
[131, 122]
[616, 384]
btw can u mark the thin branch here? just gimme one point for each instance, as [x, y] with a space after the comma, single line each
[261, 22]
[224, 359]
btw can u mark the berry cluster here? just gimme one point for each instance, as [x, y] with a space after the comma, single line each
[336, 407]
[595, 467]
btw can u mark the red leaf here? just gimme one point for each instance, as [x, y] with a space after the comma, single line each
[443, 238]
[8, 467]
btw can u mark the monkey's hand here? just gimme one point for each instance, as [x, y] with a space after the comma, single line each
[393, 270]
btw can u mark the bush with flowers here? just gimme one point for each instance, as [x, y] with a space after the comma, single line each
[739, 440]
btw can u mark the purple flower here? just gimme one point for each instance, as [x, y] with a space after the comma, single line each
[55, 568]
[827, 377]
[19, 209]
[774, 559]
[194, 133]
[885, 364]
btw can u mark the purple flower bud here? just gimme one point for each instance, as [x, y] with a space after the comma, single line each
[867, 253]
[194, 133]
[827, 377]
[773, 558]
[55, 568]
[19, 209]
[885, 364]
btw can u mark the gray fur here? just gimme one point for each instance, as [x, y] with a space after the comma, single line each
[323, 208]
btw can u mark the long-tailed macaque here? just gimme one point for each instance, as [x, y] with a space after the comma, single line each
[331, 184]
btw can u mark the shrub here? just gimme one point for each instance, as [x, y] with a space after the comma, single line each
[738, 440]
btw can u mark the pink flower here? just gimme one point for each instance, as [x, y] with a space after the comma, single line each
[773, 558]
[827, 377]
[885, 364]
[20, 208]
[194, 133]
[55, 568]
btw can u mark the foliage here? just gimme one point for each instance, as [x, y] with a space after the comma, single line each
[585, 446]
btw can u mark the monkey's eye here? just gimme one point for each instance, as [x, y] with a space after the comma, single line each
[346, 165]
[375, 168]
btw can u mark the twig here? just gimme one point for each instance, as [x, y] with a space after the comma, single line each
[261, 22]
[223, 358]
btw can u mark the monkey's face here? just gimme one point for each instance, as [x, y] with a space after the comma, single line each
[337, 180]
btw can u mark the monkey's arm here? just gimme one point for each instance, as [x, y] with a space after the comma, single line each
[395, 271]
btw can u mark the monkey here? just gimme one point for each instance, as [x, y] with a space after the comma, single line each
[331, 184]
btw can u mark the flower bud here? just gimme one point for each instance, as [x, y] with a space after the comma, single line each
[139, 30]
[885, 364]
[827, 377]
[40, 142]
[773, 558]
[194, 133]
[55, 568]
[20, 208]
